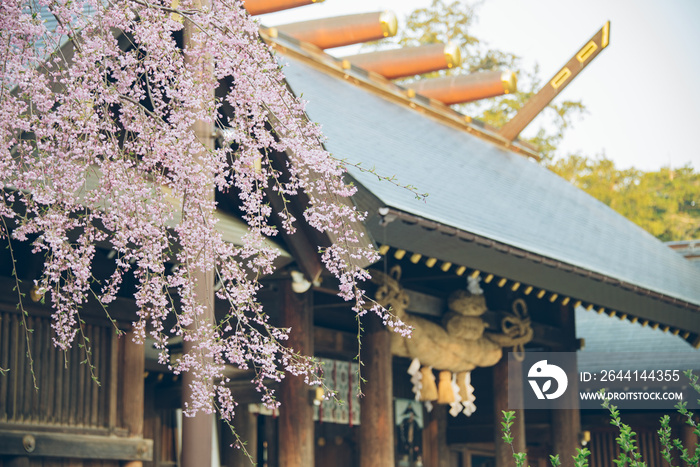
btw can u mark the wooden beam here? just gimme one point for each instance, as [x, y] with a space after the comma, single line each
[566, 425]
[343, 344]
[561, 79]
[551, 337]
[198, 431]
[335, 344]
[689, 437]
[75, 446]
[113, 382]
[20, 461]
[424, 304]
[123, 310]
[430, 305]
[484, 432]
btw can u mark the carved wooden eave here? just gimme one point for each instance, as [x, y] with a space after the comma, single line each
[550, 281]
[544, 334]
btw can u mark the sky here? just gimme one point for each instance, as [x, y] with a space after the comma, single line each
[643, 107]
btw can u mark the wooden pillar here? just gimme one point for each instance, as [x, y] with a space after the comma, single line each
[296, 420]
[436, 453]
[246, 426]
[377, 420]
[132, 363]
[566, 423]
[198, 431]
[501, 387]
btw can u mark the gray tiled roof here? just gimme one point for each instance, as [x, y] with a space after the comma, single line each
[478, 187]
[612, 343]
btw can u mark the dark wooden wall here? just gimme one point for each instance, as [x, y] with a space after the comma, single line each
[68, 393]
[162, 398]
[67, 408]
[604, 448]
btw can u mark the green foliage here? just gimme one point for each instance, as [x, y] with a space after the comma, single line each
[665, 203]
[580, 459]
[669, 443]
[629, 451]
[506, 424]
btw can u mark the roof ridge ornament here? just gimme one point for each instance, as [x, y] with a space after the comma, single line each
[408, 61]
[338, 31]
[561, 79]
[458, 89]
[260, 7]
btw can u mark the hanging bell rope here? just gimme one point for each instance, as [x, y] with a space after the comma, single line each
[429, 390]
[446, 393]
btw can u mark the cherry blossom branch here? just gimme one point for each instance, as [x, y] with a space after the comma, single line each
[20, 305]
[100, 149]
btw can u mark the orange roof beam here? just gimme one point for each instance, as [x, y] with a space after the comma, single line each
[260, 7]
[409, 61]
[460, 89]
[561, 79]
[327, 33]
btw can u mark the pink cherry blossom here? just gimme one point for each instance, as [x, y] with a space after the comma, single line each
[98, 147]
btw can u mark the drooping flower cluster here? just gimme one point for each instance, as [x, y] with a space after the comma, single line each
[118, 124]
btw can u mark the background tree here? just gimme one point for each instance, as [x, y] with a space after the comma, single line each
[452, 22]
[666, 202]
